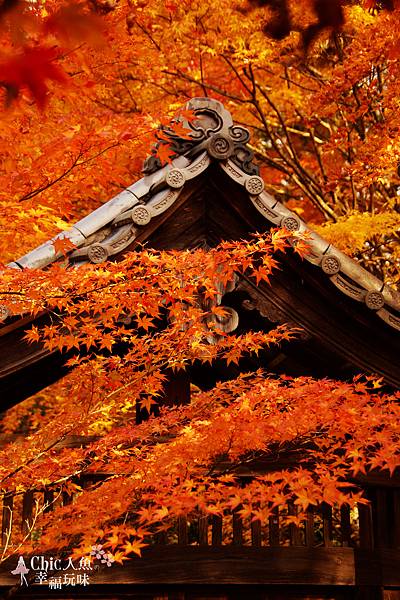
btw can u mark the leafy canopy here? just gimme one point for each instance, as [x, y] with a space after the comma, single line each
[85, 87]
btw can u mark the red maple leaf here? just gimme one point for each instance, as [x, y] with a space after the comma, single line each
[63, 245]
[30, 69]
[165, 153]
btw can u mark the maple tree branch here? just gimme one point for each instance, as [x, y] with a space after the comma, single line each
[76, 163]
[49, 184]
[30, 526]
[40, 455]
[292, 149]
[148, 34]
[209, 86]
[312, 188]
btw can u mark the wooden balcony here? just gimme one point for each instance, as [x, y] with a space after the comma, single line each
[337, 554]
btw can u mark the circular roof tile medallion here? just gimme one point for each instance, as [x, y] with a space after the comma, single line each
[254, 185]
[374, 300]
[220, 147]
[175, 178]
[290, 223]
[97, 253]
[141, 215]
[4, 312]
[330, 265]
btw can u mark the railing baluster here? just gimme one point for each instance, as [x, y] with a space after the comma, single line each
[327, 524]
[27, 509]
[216, 536]
[161, 538]
[345, 526]
[256, 533]
[365, 526]
[203, 530]
[7, 518]
[237, 528]
[294, 530]
[274, 528]
[310, 535]
[183, 533]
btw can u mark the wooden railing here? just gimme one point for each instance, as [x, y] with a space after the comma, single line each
[369, 526]
[355, 549]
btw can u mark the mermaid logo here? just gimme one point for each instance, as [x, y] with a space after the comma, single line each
[21, 570]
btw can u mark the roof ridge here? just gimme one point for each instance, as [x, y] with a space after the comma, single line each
[112, 227]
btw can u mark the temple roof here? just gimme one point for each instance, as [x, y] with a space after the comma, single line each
[115, 225]
[211, 191]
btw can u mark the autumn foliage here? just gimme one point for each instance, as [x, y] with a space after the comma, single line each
[86, 87]
[323, 117]
[182, 461]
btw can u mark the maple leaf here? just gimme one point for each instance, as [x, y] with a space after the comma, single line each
[161, 513]
[63, 245]
[135, 547]
[113, 539]
[32, 335]
[165, 153]
[304, 498]
[119, 557]
[144, 322]
[296, 520]
[147, 403]
[262, 274]
[30, 69]
[302, 248]
[189, 115]
[180, 130]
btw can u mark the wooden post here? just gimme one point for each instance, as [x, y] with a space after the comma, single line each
[381, 521]
[27, 509]
[327, 524]
[256, 533]
[176, 391]
[237, 528]
[345, 526]
[176, 388]
[396, 519]
[310, 537]
[183, 533]
[66, 498]
[274, 528]
[48, 498]
[216, 531]
[203, 530]
[365, 592]
[365, 525]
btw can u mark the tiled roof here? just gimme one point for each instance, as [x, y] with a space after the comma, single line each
[114, 226]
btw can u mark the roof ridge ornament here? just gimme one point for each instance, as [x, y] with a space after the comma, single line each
[114, 226]
[212, 130]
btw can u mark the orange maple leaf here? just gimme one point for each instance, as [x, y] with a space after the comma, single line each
[165, 153]
[147, 403]
[180, 130]
[32, 335]
[63, 245]
[135, 547]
